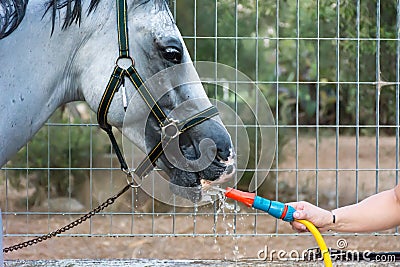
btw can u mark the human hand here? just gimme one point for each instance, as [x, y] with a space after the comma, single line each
[322, 219]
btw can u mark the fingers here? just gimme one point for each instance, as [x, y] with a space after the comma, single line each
[307, 211]
[299, 227]
[300, 215]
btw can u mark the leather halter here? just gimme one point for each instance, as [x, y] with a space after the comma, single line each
[170, 128]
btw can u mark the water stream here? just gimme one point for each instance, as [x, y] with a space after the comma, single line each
[217, 195]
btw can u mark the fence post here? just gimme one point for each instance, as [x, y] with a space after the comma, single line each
[1, 241]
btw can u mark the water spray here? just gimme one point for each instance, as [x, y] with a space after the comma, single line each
[281, 211]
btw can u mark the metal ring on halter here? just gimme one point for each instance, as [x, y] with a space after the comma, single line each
[171, 129]
[121, 58]
[131, 182]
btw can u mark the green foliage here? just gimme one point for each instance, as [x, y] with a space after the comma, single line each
[325, 52]
[305, 56]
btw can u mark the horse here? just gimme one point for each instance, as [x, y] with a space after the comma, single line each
[56, 55]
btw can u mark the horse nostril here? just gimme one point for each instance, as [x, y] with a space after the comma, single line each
[229, 169]
[223, 154]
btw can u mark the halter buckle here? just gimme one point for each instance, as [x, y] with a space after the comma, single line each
[170, 129]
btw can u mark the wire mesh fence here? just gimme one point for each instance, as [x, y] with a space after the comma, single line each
[330, 72]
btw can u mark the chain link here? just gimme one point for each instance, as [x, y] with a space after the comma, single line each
[71, 225]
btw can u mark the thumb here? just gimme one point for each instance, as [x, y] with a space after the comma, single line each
[299, 215]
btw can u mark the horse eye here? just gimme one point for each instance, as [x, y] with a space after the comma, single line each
[172, 55]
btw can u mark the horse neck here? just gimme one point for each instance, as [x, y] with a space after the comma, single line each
[38, 74]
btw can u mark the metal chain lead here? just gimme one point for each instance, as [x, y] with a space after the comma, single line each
[71, 225]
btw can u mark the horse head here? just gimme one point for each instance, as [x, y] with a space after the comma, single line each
[79, 63]
[158, 50]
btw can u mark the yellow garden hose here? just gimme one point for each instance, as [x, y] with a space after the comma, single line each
[320, 241]
[281, 211]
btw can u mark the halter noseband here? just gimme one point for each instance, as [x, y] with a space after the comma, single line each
[170, 128]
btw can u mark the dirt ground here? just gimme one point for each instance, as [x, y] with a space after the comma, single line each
[272, 235]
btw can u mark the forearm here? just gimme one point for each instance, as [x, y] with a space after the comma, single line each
[375, 213]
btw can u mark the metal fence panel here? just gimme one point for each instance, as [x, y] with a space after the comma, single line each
[331, 149]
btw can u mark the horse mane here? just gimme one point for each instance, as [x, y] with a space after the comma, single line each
[74, 10]
[11, 14]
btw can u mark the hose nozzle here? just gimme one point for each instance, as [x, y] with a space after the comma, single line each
[244, 197]
[275, 208]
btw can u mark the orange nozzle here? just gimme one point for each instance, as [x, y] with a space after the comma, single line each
[244, 197]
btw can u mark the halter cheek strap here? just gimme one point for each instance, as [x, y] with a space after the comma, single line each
[146, 165]
[170, 128]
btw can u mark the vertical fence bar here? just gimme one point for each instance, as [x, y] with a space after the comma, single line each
[357, 97]
[195, 32]
[174, 197]
[69, 163]
[397, 92]
[174, 9]
[378, 89]
[317, 114]
[216, 52]
[153, 207]
[111, 184]
[6, 184]
[277, 107]
[236, 98]
[195, 59]
[133, 197]
[257, 129]
[215, 207]
[48, 176]
[297, 94]
[397, 88]
[91, 171]
[337, 130]
[27, 188]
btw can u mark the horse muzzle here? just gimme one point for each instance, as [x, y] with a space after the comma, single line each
[202, 156]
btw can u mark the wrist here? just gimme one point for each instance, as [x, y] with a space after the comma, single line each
[332, 220]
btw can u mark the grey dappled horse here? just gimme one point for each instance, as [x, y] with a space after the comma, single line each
[46, 60]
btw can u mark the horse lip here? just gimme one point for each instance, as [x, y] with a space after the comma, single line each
[225, 177]
[205, 183]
